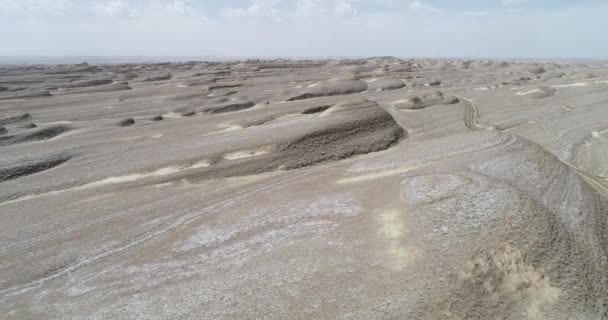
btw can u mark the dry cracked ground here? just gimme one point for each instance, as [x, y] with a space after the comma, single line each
[338, 189]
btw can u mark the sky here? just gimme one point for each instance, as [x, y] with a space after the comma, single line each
[542, 29]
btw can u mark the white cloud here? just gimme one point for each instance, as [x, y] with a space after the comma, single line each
[28, 7]
[101, 8]
[298, 28]
[336, 8]
[283, 10]
[115, 8]
[257, 9]
[424, 8]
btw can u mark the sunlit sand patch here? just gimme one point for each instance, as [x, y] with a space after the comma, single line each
[162, 185]
[118, 180]
[229, 127]
[524, 93]
[200, 164]
[392, 228]
[54, 123]
[173, 115]
[381, 174]
[481, 89]
[157, 136]
[312, 85]
[326, 113]
[371, 80]
[242, 154]
[576, 84]
[131, 177]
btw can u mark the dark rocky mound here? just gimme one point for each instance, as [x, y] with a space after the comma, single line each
[31, 167]
[2, 89]
[230, 107]
[167, 76]
[198, 82]
[3, 131]
[341, 141]
[185, 112]
[224, 86]
[157, 118]
[30, 125]
[425, 100]
[538, 70]
[28, 95]
[331, 88]
[126, 122]
[316, 109]
[121, 86]
[44, 134]
[88, 83]
[13, 119]
[72, 69]
[354, 127]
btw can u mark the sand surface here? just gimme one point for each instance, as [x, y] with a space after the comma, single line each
[337, 189]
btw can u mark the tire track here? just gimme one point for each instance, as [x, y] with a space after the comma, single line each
[471, 114]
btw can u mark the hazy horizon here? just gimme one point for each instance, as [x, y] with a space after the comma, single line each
[498, 29]
[104, 60]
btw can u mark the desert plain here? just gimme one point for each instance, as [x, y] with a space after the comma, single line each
[378, 188]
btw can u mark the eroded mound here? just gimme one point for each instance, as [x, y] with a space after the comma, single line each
[28, 95]
[425, 100]
[538, 70]
[31, 167]
[88, 83]
[44, 134]
[385, 84]
[231, 106]
[331, 88]
[13, 119]
[102, 88]
[316, 109]
[162, 77]
[376, 133]
[350, 128]
[126, 122]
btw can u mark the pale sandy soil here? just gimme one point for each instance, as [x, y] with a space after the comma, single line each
[354, 189]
